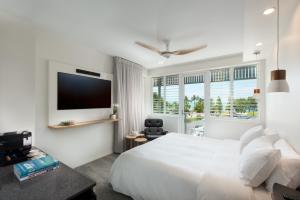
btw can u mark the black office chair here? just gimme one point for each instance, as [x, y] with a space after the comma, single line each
[154, 129]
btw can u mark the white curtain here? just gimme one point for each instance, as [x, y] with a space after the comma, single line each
[129, 93]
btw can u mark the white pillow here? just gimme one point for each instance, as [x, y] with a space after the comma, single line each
[256, 166]
[249, 135]
[262, 142]
[287, 172]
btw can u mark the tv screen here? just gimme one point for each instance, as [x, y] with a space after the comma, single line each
[81, 92]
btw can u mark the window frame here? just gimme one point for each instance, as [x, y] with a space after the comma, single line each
[206, 72]
[164, 95]
[231, 80]
[152, 83]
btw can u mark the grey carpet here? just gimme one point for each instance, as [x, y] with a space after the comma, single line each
[98, 171]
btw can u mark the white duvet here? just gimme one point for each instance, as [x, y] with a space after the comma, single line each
[181, 167]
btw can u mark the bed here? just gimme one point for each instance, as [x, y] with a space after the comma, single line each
[183, 167]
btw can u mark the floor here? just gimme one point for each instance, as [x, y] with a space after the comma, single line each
[99, 170]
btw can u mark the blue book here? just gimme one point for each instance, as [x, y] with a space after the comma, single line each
[34, 167]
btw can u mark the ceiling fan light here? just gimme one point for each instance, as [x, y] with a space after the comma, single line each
[278, 82]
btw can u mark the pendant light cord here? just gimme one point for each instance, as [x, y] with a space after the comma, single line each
[277, 56]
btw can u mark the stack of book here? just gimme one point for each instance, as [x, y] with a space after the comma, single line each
[31, 168]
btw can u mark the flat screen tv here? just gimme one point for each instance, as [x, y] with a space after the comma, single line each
[82, 92]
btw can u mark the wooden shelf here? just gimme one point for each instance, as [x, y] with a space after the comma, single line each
[79, 124]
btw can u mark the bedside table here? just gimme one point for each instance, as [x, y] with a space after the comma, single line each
[281, 192]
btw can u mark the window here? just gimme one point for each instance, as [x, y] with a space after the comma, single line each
[220, 98]
[166, 94]
[158, 95]
[194, 95]
[231, 92]
[244, 82]
[172, 94]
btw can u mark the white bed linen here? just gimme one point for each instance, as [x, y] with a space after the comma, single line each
[182, 167]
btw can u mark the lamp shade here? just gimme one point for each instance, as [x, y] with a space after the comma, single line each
[278, 82]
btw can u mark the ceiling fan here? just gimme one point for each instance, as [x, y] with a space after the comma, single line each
[167, 53]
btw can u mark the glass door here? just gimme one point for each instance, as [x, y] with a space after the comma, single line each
[193, 104]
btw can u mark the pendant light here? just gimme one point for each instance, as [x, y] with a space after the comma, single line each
[278, 77]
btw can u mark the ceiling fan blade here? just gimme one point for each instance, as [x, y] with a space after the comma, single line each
[187, 51]
[148, 47]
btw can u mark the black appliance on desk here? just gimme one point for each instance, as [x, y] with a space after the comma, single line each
[14, 147]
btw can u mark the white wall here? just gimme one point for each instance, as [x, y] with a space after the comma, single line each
[217, 128]
[78, 145]
[78, 115]
[282, 110]
[17, 49]
[24, 54]
[198, 65]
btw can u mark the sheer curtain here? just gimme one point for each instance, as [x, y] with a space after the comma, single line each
[129, 93]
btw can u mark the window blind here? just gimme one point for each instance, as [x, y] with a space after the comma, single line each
[233, 97]
[245, 72]
[220, 93]
[166, 94]
[158, 95]
[245, 106]
[219, 75]
[194, 79]
[172, 94]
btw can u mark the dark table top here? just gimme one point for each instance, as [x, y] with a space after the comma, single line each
[281, 192]
[59, 184]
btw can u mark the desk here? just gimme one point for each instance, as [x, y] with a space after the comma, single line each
[60, 184]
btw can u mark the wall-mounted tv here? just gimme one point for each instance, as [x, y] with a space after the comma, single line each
[82, 92]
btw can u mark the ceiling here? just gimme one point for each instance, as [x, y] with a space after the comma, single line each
[262, 28]
[112, 26]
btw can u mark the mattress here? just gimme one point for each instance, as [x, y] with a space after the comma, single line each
[179, 166]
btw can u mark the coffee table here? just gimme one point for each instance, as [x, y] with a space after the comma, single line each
[140, 141]
[129, 140]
